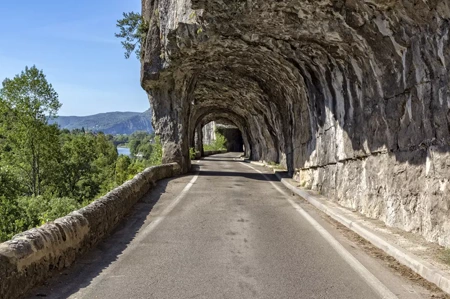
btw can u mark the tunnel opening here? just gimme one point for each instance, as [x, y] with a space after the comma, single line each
[234, 141]
[233, 136]
[350, 97]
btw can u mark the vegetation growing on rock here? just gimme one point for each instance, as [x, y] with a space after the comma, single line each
[133, 31]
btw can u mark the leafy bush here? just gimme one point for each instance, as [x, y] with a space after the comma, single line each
[156, 156]
[11, 221]
[25, 213]
[10, 186]
[216, 145]
[40, 210]
[192, 153]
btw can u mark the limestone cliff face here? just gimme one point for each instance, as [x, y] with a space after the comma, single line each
[351, 96]
[208, 131]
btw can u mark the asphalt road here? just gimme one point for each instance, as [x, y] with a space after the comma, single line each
[226, 231]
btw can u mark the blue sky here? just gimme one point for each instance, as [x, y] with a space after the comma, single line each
[73, 43]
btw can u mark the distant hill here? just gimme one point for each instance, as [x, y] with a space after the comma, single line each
[109, 123]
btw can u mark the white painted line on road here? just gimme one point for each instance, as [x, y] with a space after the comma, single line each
[373, 282]
[136, 241]
[164, 213]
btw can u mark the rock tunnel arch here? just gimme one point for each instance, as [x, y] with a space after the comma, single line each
[206, 115]
[350, 96]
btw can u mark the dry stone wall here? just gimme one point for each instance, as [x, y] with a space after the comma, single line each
[31, 257]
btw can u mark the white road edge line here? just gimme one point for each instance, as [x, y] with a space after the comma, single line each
[147, 230]
[135, 242]
[371, 280]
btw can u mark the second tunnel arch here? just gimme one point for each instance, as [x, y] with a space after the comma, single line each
[206, 115]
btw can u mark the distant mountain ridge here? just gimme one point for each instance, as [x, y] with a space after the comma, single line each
[109, 123]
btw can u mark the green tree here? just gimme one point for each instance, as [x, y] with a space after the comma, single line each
[156, 156]
[27, 101]
[146, 149]
[133, 29]
[122, 171]
[140, 142]
[134, 145]
[10, 186]
[105, 163]
[78, 155]
[11, 218]
[121, 139]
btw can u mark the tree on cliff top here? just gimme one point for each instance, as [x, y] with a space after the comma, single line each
[133, 29]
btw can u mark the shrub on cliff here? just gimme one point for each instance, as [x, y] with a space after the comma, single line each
[133, 29]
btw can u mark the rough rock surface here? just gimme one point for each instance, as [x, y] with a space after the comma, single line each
[209, 134]
[30, 257]
[351, 96]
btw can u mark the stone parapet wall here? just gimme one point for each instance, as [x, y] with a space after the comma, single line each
[30, 257]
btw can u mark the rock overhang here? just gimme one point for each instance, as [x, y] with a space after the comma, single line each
[310, 84]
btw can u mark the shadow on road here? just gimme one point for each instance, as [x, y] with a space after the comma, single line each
[219, 160]
[247, 175]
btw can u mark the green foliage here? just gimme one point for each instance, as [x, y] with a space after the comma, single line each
[86, 167]
[274, 165]
[192, 153]
[57, 207]
[156, 156]
[10, 186]
[11, 219]
[148, 150]
[40, 210]
[133, 31]
[121, 139]
[26, 102]
[104, 164]
[46, 173]
[122, 169]
[24, 213]
[218, 144]
[134, 145]
[141, 144]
